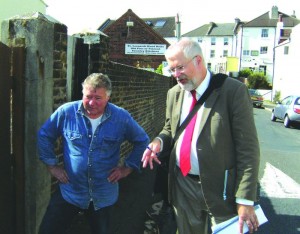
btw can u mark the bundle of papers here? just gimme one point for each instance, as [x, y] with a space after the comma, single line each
[231, 226]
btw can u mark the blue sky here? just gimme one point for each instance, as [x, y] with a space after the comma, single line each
[89, 14]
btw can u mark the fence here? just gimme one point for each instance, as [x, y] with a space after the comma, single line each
[12, 174]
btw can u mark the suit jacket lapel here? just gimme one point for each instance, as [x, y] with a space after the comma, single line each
[178, 107]
[208, 104]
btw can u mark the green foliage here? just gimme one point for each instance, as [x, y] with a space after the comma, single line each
[277, 96]
[245, 73]
[257, 80]
[159, 69]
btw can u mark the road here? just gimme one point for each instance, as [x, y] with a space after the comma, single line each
[279, 174]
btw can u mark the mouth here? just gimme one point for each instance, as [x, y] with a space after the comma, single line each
[181, 80]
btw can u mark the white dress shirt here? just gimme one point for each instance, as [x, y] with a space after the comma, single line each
[187, 101]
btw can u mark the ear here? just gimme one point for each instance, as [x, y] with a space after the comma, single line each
[198, 59]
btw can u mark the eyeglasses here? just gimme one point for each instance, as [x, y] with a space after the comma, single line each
[180, 68]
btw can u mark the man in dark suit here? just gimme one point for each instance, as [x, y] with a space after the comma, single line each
[221, 157]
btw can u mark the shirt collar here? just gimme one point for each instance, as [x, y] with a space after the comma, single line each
[204, 85]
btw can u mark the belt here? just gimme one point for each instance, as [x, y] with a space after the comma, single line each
[194, 177]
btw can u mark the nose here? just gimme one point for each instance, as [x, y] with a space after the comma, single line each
[91, 102]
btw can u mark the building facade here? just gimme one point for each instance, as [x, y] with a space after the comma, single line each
[134, 42]
[260, 36]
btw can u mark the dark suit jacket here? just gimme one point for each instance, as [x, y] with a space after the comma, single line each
[227, 143]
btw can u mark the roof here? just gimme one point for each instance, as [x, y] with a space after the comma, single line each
[266, 20]
[213, 29]
[165, 26]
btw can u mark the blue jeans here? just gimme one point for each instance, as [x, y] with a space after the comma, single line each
[60, 214]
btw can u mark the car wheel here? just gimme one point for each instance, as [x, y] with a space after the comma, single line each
[273, 117]
[286, 122]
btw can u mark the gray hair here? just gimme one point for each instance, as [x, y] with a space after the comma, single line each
[98, 80]
[189, 48]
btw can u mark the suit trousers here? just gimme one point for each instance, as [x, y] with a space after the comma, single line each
[192, 215]
[191, 211]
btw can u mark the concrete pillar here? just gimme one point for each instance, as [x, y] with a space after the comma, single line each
[45, 41]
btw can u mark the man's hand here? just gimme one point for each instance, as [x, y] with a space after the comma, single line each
[59, 173]
[247, 214]
[118, 173]
[151, 153]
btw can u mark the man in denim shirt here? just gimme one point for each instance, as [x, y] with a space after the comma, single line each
[92, 131]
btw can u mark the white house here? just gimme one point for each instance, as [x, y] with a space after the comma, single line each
[260, 36]
[218, 42]
[287, 65]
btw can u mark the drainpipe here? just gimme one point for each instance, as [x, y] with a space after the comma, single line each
[241, 51]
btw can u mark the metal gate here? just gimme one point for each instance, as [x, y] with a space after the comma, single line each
[12, 212]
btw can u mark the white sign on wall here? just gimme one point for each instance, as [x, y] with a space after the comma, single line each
[145, 49]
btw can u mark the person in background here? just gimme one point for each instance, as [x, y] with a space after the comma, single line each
[92, 131]
[213, 174]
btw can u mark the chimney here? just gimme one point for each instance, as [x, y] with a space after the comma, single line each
[274, 12]
[178, 27]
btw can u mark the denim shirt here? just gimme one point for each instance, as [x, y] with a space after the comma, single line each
[88, 158]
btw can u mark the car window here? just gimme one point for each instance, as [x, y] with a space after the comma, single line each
[286, 101]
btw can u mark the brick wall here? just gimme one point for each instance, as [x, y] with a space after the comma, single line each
[142, 93]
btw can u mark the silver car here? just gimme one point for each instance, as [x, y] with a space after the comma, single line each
[288, 110]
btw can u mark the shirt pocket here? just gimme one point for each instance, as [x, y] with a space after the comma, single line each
[74, 142]
[110, 146]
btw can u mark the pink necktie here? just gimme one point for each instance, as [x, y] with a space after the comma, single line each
[185, 149]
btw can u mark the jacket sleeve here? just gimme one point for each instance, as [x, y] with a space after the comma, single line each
[246, 143]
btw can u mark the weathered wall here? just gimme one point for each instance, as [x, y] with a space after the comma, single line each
[44, 78]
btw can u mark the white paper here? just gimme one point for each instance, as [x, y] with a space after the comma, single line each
[231, 226]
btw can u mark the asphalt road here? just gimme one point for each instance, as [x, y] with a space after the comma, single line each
[279, 174]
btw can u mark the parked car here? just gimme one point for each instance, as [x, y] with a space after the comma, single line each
[256, 97]
[287, 110]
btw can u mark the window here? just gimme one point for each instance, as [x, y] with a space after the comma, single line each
[264, 32]
[209, 66]
[263, 50]
[254, 53]
[200, 39]
[160, 23]
[225, 40]
[225, 53]
[286, 50]
[287, 101]
[246, 52]
[213, 41]
[212, 53]
[149, 23]
[262, 69]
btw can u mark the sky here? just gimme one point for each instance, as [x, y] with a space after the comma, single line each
[80, 15]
